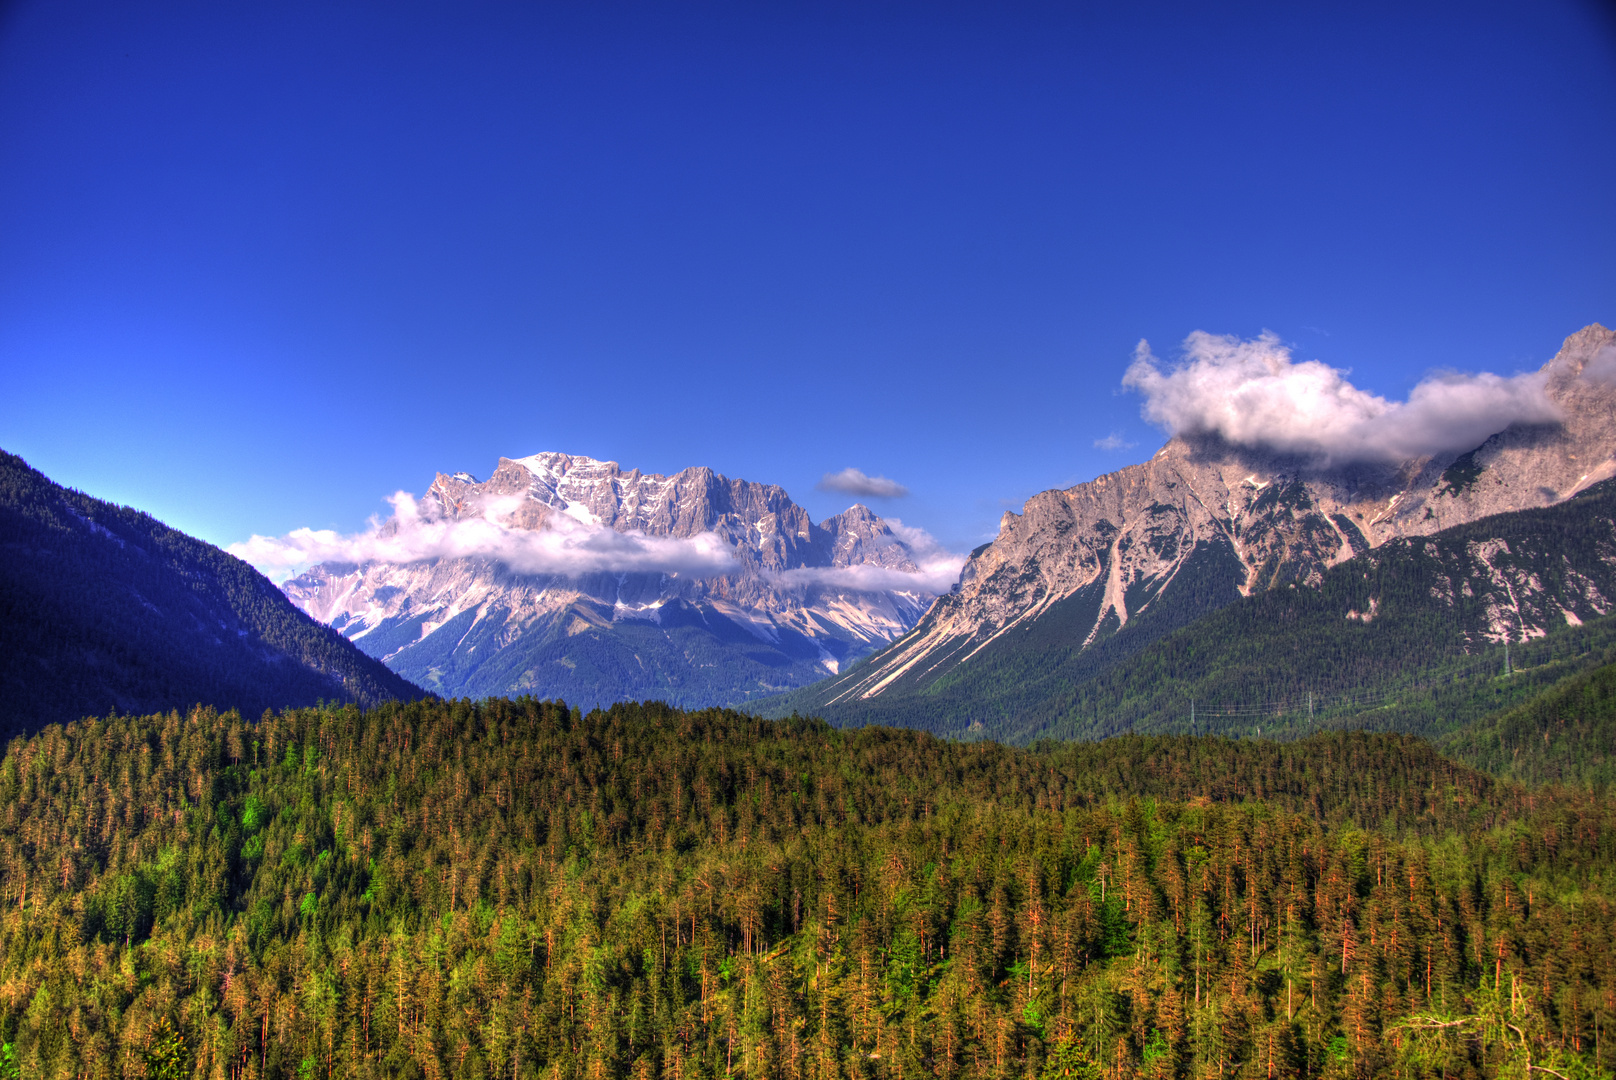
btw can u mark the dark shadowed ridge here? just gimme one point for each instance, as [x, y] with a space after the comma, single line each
[103, 607]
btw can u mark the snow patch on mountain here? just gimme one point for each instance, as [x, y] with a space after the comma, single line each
[553, 546]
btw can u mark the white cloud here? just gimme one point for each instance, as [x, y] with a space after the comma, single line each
[416, 534]
[935, 578]
[937, 569]
[1113, 441]
[1253, 394]
[852, 481]
[1602, 368]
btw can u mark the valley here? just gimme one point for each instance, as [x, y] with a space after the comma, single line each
[576, 541]
[1219, 765]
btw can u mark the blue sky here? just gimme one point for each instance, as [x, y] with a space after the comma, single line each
[261, 266]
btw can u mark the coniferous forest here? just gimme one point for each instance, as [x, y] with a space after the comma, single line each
[103, 607]
[512, 889]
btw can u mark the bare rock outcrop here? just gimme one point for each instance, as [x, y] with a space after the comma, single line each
[477, 626]
[1203, 522]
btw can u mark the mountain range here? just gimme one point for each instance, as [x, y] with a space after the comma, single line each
[1214, 572]
[104, 608]
[596, 584]
[1086, 578]
[1314, 901]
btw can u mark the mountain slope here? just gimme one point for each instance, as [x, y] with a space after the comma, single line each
[1566, 734]
[104, 607]
[798, 599]
[1413, 605]
[1085, 578]
[1417, 612]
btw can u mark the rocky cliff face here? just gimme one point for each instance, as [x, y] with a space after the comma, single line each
[798, 602]
[1137, 553]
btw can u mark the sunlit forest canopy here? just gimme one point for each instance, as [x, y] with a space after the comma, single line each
[452, 889]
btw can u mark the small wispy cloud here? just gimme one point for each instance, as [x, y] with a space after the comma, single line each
[852, 481]
[1113, 441]
[1252, 393]
[417, 533]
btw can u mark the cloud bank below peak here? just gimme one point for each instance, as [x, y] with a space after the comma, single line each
[851, 481]
[936, 569]
[414, 534]
[1253, 393]
[417, 532]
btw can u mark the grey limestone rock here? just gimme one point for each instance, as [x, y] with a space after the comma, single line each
[475, 626]
[1219, 521]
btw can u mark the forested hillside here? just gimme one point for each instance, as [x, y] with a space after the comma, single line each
[103, 607]
[1409, 612]
[1566, 734]
[512, 889]
[1512, 536]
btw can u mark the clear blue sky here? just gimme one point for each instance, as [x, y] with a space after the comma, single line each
[261, 265]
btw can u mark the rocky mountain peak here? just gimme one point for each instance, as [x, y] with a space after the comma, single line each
[1204, 521]
[1579, 349]
[799, 591]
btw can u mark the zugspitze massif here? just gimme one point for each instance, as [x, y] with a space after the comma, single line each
[563, 576]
